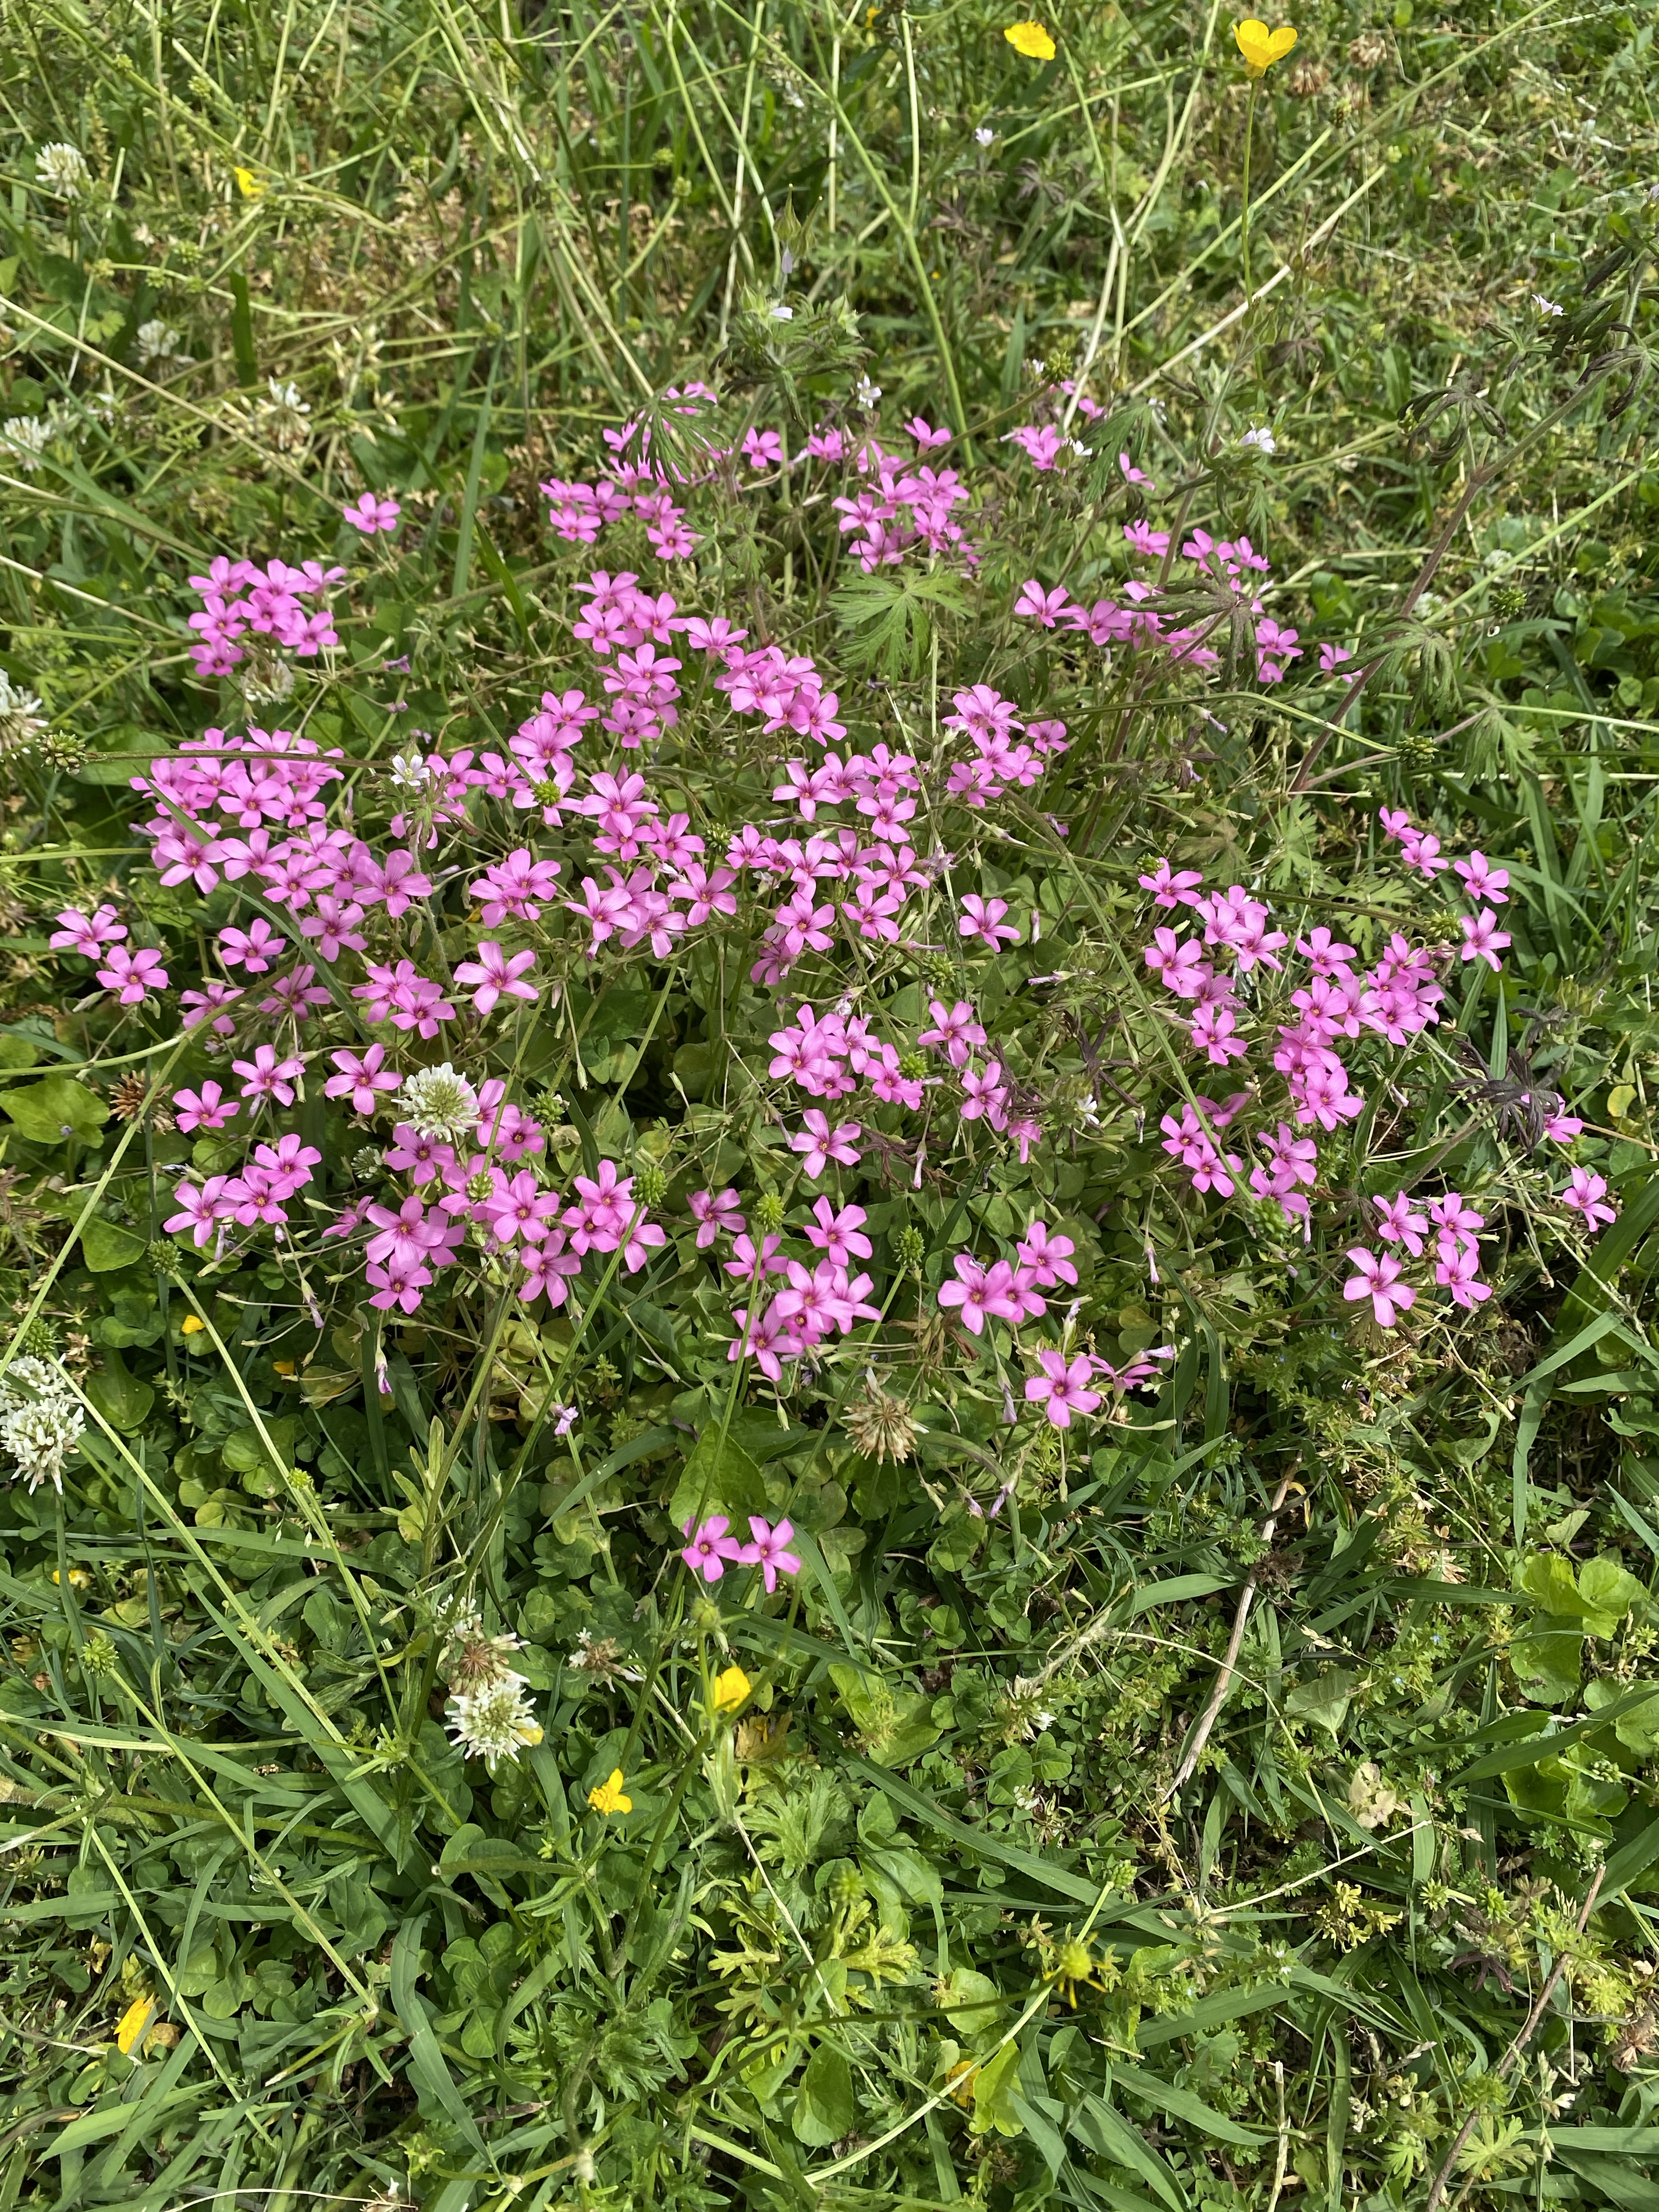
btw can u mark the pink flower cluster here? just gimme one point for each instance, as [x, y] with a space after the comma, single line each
[1380, 1276]
[711, 1550]
[277, 601]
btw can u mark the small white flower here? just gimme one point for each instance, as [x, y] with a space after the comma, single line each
[1261, 437]
[62, 169]
[23, 717]
[867, 393]
[1038, 368]
[1545, 307]
[436, 1102]
[158, 343]
[40, 1419]
[1083, 452]
[285, 416]
[494, 1722]
[984, 135]
[410, 771]
[782, 315]
[24, 437]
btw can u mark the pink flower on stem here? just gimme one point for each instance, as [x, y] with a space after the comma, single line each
[369, 514]
[208, 1109]
[768, 1550]
[982, 917]
[1046, 607]
[711, 1548]
[361, 1076]
[1482, 881]
[1457, 1269]
[716, 1214]
[1378, 1279]
[264, 1076]
[1170, 887]
[1586, 1194]
[1561, 1128]
[1483, 939]
[819, 1144]
[1399, 1225]
[86, 934]
[1062, 1390]
[133, 975]
[497, 976]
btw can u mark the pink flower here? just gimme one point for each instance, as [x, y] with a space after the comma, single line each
[361, 1077]
[1586, 1194]
[819, 1144]
[762, 449]
[86, 934]
[133, 974]
[716, 1214]
[206, 1109]
[1046, 607]
[1562, 1129]
[1061, 1391]
[768, 1550]
[1482, 938]
[1457, 1270]
[982, 917]
[1482, 881]
[1378, 1279]
[710, 1547]
[839, 1234]
[264, 1076]
[497, 976]
[1399, 1225]
[369, 514]
[990, 1293]
[1170, 887]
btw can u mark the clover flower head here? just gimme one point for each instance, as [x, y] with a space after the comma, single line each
[494, 1722]
[40, 1419]
[61, 168]
[437, 1101]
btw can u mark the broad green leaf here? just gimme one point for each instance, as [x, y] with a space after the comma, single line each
[1548, 1666]
[1549, 1581]
[719, 1477]
[1638, 1730]
[1610, 1590]
[824, 2110]
[121, 1397]
[995, 2085]
[107, 1245]
[1325, 1701]
[60, 1107]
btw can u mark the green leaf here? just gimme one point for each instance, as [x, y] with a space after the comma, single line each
[888, 619]
[1638, 1729]
[1325, 1701]
[60, 1107]
[1549, 1581]
[107, 1245]
[1609, 1590]
[995, 2085]
[1548, 1666]
[719, 1477]
[824, 2110]
[122, 1399]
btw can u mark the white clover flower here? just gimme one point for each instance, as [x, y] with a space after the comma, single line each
[285, 415]
[437, 1101]
[22, 716]
[1546, 306]
[494, 1722]
[158, 343]
[24, 437]
[984, 135]
[40, 1420]
[63, 169]
[867, 393]
[1261, 437]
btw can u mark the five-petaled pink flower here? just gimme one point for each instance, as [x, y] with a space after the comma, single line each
[1378, 1279]
[497, 974]
[768, 1550]
[133, 974]
[1586, 1194]
[711, 1549]
[819, 1144]
[1062, 1390]
[369, 514]
[1482, 938]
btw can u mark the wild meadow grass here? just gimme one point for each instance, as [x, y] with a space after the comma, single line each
[828, 1222]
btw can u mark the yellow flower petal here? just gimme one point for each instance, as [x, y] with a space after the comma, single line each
[132, 2023]
[1261, 47]
[730, 1688]
[248, 184]
[192, 1325]
[1031, 40]
[608, 1798]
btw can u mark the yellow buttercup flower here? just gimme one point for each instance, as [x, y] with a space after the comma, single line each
[1261, 47]
[248, 184]
[1031, 40]
[192, 1325]
[730, 1688]
[608, 1798]
[129, 2029]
